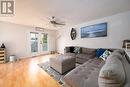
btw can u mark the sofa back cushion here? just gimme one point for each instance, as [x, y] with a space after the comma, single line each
[70, 54]
[66, 49]
[69, 49]
[90, 51]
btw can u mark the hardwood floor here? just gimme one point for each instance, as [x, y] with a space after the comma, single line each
[26, 73]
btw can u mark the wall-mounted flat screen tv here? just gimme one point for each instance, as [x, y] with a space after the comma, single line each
[97, 30]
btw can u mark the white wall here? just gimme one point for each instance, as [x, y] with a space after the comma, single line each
[17, 39]
[118, 30]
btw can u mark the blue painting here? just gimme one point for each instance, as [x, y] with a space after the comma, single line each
[97, 30]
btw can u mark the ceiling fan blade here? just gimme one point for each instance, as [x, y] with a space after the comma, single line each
[60, 23]
[55, 21]
[48, 18]
[54, 25]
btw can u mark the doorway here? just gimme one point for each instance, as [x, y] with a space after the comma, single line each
[44, 42]
[39, 43]
[34, 43]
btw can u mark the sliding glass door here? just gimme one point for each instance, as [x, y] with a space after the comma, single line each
[34, 42]
[44, 42]
[39, 43]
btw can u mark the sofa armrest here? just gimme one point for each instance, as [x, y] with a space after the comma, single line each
[112, 73]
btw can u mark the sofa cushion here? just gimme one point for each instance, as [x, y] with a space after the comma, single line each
[88, 50]
[69, 49]
[127, 58]
[81, 61]
[118, 54]
[72, 49]
[70, 54]
[112, 73]
[85, 75]
[123, 53]
[127, 70]
[85, 56]
[125, 61]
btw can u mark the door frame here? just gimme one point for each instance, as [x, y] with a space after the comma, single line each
[33, 53]
[40, 51]
[40, 45]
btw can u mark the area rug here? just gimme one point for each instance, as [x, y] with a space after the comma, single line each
[53, 73]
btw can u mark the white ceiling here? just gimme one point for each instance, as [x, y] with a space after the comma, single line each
[36, 12]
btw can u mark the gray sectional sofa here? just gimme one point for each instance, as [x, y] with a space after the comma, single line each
[94, 72]
[84, 55]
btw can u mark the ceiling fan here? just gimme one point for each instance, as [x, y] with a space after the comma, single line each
[55, 22]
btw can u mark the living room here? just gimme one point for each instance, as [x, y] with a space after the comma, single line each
[43, 43]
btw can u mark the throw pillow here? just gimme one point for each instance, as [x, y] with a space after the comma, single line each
[77, 50]
[99, 52]
[72, 49]
[105, 55]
